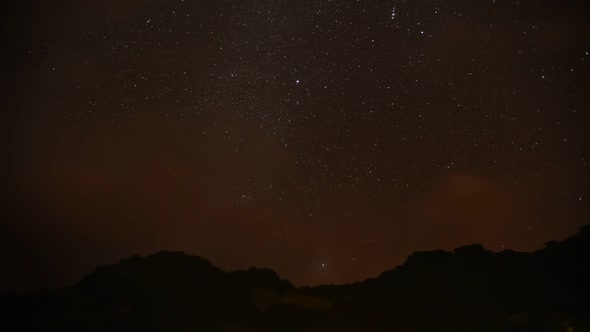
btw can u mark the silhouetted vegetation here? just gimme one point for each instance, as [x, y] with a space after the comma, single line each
[469, 289]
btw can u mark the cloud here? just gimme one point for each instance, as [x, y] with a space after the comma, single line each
[149, 184]
[465, 209]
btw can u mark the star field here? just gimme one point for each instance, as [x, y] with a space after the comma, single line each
[324, 139]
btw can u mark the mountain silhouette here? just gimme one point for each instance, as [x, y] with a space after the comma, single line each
[469, 289]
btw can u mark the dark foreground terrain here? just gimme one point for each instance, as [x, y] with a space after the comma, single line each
[469, 289]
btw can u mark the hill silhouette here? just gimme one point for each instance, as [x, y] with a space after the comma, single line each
[469, 289]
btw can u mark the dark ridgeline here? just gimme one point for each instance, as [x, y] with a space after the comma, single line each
[469, 289]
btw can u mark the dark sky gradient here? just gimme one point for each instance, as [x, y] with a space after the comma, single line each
[324, 139]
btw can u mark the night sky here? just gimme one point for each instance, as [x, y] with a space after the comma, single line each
[325, 139]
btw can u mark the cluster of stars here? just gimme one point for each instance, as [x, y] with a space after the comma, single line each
[347, 114]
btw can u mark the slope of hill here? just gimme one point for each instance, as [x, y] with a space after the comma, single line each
[469, 289]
